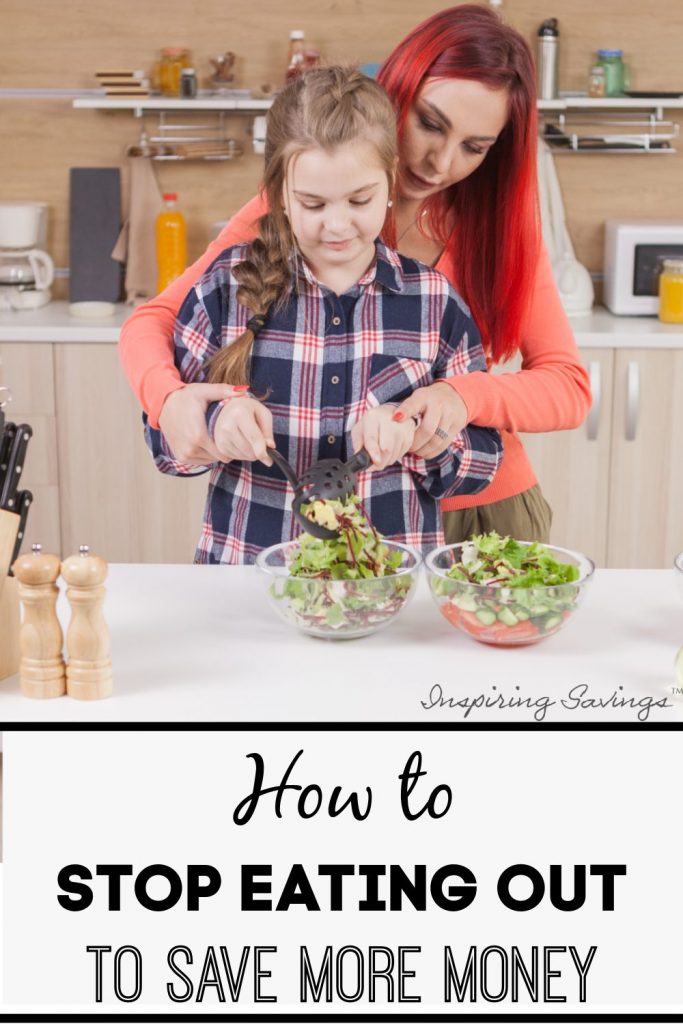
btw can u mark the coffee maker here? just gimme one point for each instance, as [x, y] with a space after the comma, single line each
[26, 270]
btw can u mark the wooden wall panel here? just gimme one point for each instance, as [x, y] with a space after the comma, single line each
[52, 45]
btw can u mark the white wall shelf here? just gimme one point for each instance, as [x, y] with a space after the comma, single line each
[589, 103]
[239, 105]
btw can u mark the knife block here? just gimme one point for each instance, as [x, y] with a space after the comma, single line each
[9, 628]
[9, 525]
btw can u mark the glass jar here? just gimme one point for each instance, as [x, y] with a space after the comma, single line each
[671, 292]
[173, 60]
[296, 61]
[188, 83]
[596, 81]
[615, 71]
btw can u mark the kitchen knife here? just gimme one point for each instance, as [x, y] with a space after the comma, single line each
[6, 439]
[22, 505]
[15, 465]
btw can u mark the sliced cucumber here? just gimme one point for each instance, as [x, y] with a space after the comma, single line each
[507, 617]
[486, 616]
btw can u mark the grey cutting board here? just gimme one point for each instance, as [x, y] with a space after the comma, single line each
[94, 225]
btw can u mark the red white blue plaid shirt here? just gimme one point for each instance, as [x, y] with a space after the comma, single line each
[323, 360]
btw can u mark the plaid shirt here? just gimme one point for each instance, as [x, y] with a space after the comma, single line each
[323, 360]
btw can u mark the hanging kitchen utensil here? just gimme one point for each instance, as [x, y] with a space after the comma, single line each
[324, 480]
[15, 465]
[22, 504]
[5, 398]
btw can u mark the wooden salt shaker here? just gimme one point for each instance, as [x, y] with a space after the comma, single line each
[88, 672]
[41, 669]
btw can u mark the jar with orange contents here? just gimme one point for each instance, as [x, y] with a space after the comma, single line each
[173, 60]
[671, 292]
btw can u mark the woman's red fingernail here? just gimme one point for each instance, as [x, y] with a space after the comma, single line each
[240, 387]
[398, 417]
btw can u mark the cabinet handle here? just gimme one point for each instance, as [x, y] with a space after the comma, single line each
[632, 396]
[593, 421]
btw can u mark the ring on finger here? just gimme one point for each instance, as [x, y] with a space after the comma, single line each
[439, 432]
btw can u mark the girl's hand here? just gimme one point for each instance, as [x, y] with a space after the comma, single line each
[244, 430]
[183, 422]
[442, 415]
[385, 438]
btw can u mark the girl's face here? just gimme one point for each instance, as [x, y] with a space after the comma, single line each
[450, 128]
[336, 204]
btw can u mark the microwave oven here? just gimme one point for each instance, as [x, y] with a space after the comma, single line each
[634, 252]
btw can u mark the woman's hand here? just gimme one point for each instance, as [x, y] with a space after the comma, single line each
[183, 422]
[244, 430]
[385, 439]
[442, 415]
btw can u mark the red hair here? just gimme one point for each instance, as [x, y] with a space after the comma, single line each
[494, 244]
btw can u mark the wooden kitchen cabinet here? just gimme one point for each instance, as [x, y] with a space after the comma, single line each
[616, 483]
[112, 497]
[28, 371]
[646, 480]
[573, 467]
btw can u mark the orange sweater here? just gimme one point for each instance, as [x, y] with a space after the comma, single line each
[549, 392]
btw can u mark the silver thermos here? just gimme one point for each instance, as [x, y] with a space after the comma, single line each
[548, 45]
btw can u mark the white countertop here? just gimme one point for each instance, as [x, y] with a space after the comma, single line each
[200, 643]
[52, 323]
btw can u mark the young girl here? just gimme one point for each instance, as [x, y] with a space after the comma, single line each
[322, 330]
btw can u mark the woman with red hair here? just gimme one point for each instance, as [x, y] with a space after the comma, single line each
[462, 84]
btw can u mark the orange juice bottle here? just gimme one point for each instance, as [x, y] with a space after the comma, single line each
[171, 242]
[671, 292]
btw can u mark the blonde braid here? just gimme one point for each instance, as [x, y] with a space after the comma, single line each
[264, 280]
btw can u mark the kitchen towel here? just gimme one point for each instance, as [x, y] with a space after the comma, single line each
[573, 280]
[136, 245]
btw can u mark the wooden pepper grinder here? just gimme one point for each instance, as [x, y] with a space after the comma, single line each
[88, 672]
[41, 669]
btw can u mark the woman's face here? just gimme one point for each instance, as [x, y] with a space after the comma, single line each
[450, 128]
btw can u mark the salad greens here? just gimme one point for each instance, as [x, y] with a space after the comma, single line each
[358, 552]
[347, 586]
[490, 558]
[504, 591]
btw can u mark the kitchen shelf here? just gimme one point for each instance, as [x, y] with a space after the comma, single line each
[621, 126]
[94, 100]
[239, 105]
[620, 103]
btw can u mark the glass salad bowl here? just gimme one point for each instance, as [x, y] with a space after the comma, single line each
[506, 616]
[338, 609]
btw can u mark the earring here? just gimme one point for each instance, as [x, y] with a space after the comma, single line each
[390, 203]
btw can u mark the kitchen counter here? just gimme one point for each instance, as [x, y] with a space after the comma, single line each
[53, 323]
[200, 643]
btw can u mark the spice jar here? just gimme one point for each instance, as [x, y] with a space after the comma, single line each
[188, 83]
[671, 292]
[615, 71]
[596, 81]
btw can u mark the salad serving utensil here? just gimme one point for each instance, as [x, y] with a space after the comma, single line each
[326, 479]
